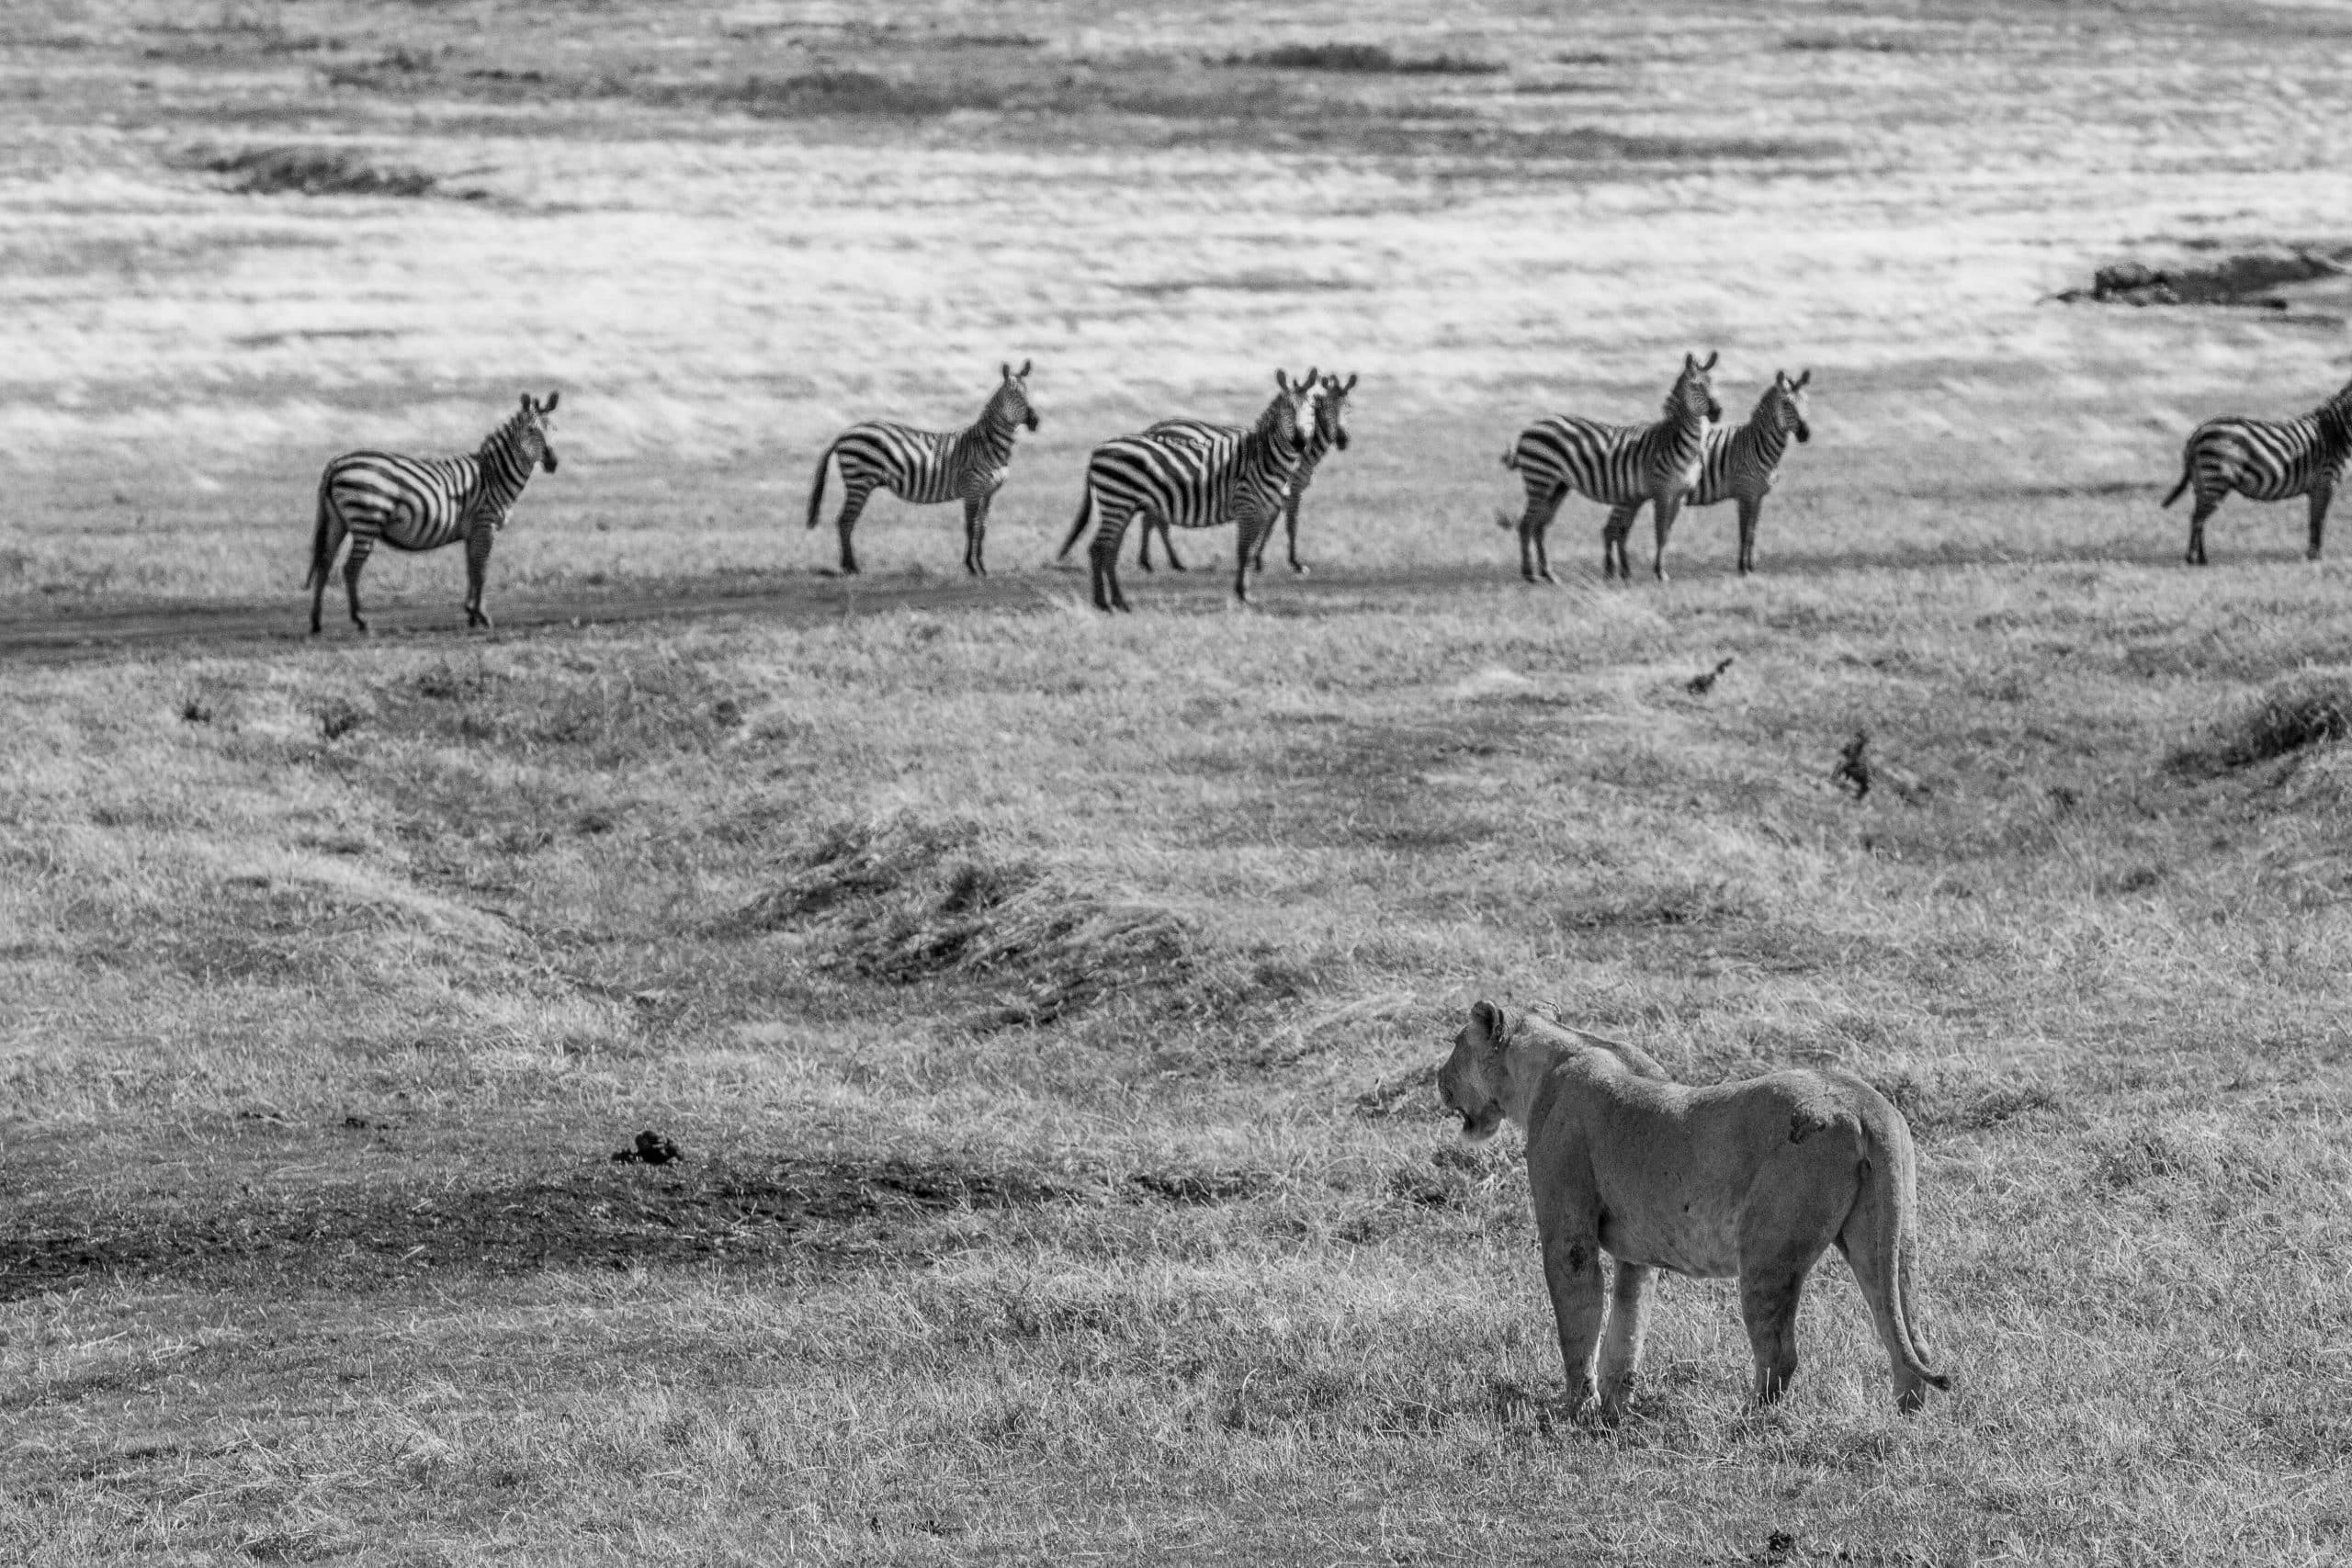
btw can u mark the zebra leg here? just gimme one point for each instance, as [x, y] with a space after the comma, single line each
[1663, 511]
[1252, 539]
[1535, 564]
[1110, 532]
[2203, 510]
[853, 496]
[1750, 509]
[976, 533]
[322, 570]
[1167, 544]
[2321, 496]
[478, 545]
[1290, 533]
[360, 545]
[1612, 540]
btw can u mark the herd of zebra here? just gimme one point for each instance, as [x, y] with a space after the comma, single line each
[1189, 473]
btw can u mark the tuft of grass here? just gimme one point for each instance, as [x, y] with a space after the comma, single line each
[905, 901]
[311, 171]
[1365, 59]
[2306, 709]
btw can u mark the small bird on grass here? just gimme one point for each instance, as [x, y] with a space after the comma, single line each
[1699, 685]
[1853, 770]
[651, 1148]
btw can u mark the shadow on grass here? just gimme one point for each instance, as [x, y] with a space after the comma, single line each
[816, 1216]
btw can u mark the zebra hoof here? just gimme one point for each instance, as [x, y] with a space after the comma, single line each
[1299, 568]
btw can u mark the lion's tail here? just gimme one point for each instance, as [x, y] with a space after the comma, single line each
[1883, 1235]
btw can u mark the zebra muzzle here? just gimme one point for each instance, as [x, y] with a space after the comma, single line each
[547, 458]
[1804, 432]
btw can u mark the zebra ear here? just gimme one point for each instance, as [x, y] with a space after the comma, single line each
[1352, 383]
[1024, 369]
[1282, 379]
[1004, 368]
[1709, 364]
[527, 403]
[548, 407]
[1799, 383]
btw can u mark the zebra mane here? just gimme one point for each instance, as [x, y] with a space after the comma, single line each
[1280, 404]
[1673, 409]
[507, 435]
[994, 411]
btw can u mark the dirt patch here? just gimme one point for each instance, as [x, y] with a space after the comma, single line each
[2312, 708]
[905, 901]
[2248, 280]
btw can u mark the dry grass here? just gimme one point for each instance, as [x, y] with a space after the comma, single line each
[1044, 1006]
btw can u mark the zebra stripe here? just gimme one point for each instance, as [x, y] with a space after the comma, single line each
[1621, 466]
[422, 504]
[2266, 459]
[1741, 465]
[1330, 431]
[927, 467]
[1195, 484]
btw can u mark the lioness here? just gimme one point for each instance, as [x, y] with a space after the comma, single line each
[1753, 1179]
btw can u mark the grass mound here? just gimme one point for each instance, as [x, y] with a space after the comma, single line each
[857, 93]
[310, 171]
[2312, 708]
[906, 901]
[1363, 60]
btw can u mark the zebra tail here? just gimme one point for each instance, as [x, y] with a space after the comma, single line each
[319, 557]
[816, 490]
[1085, 515]
[2187, 467]
[1510, 455]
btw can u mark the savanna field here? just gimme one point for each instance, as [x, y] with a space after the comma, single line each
[1043, 1004]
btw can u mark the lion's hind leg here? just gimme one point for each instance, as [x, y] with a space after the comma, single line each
[1780, 1240]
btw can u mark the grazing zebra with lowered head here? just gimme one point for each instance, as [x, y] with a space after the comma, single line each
[1621, 466]
[927, 467]
[422, 504]
[1740, 465]
[2266, 459]
[1195, 484]
[1330, 431]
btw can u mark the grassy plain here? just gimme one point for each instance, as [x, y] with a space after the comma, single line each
[1043, 1004]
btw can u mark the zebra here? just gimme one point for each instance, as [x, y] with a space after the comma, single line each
[1740, 465]
[1330, 431]
[927, 467]
[1621, 466]
[1195, 484]
[2266, 459]
[422, 504]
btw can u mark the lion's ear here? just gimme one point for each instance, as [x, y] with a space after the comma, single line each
[1488, 1020]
